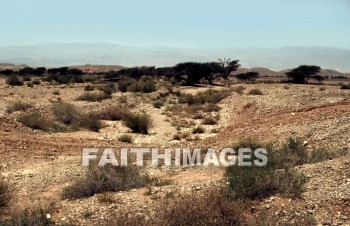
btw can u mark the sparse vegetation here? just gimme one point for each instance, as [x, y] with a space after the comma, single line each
[207, 208]
[323, 154]
[28, 217]
[209, 96]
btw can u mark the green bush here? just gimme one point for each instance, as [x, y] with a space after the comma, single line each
[14, 80]
[94, 97]
[107, 179]
[125, 138]
[138, 123]
[123, 84]
[256, 182]
[158, 103]
[18, 106]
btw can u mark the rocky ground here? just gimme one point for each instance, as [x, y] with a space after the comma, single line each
[41, 164]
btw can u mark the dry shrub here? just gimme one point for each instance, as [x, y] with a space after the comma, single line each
[35, 120]
[125, 138]
[238, 89]
[89, 88]
[14, 80]
[158, 103]
[107, 197]
[18, 106]
[65, 113]
[107, 179]
[207, 208]
[28, 217]
[94, 97]
[138, 123]
[108, 89]
[209, 96]
[69, 115]
[198, 129]
[90, 121]
[209, 121]
[278, 176]
[255, 92]
[5, 193]
[114, 113]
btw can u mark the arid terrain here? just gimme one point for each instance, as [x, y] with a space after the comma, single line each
[40, 164]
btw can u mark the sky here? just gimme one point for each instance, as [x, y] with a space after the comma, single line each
[180, 23]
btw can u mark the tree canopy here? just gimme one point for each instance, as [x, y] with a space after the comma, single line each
[303, 73]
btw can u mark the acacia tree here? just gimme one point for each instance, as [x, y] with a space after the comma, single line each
[303, 73]
[194, 71]
[228, 66]
[247, 76]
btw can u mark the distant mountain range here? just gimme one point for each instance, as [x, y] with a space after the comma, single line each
[53, 55]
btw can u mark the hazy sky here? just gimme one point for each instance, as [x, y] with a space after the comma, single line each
[178, 23]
